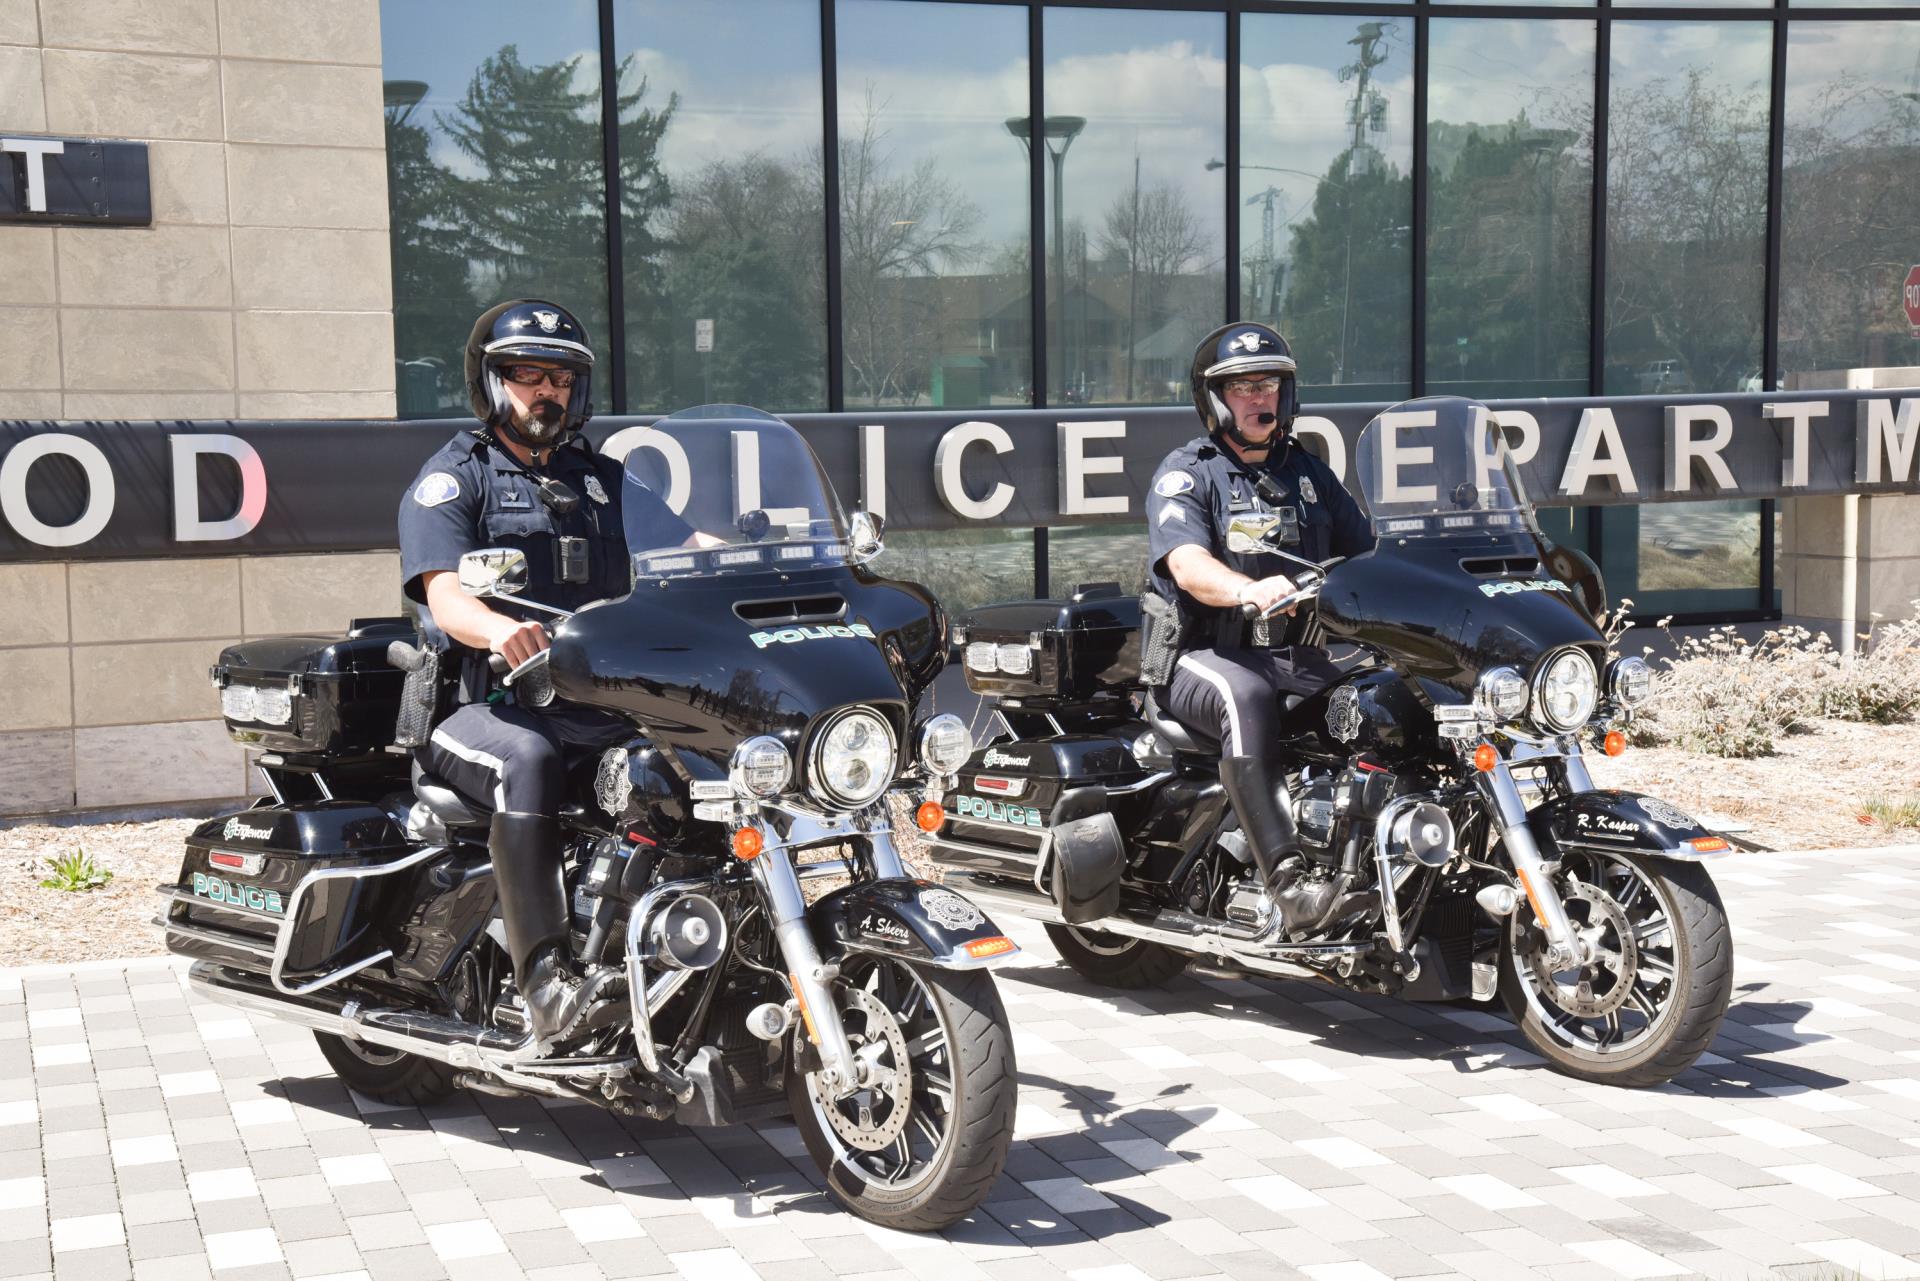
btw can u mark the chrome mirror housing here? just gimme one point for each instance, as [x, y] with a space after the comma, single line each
[863, 537]
[494, 571]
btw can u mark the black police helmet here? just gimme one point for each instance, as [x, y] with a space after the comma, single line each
[1241, 350]
[528, 329]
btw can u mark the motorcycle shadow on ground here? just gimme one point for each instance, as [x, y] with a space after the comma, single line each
[1745, 1060]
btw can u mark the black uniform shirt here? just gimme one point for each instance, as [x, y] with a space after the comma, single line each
[1204, 496]
[474, 494]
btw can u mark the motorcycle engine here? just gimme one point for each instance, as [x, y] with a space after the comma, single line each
[1315, 809]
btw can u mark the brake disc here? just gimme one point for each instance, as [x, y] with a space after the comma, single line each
[1616, 957]
[873, 1117]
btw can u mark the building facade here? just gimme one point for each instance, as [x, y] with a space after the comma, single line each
[875, 206]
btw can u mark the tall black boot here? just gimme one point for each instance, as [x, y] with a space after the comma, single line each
[1249, 783]
[533, 907]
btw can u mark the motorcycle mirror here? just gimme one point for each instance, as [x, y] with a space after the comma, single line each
[494, 571]
[864, 542]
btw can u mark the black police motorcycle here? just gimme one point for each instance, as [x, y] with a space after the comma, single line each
[1450, 841]
[771, 685]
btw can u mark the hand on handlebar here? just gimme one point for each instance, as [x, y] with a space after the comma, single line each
[1260, 595]
[518, 641]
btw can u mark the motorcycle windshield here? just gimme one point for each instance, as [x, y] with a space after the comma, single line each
[738, 475]
[1439, 466]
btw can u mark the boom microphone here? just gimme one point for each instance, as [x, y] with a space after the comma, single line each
[1264, 419]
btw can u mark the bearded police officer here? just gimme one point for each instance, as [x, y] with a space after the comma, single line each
[1221, 510]
[524, 480]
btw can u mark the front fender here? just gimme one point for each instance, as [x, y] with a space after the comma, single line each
[912, 920]
[1610, 821]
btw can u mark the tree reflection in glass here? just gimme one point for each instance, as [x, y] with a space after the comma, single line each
[1851, 228]
[935, 285]
[1141, 273]
[1326, 246]
[1509, 224]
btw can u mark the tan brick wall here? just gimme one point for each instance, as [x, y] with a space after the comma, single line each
[263, 288]
[104, 667]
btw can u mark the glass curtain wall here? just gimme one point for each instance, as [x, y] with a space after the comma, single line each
[1687, 130]
[723, 231]
[495, 179]
[936, 290]
[1851, 228]
[1136, 269]
[1509, 206]
[1326, 188]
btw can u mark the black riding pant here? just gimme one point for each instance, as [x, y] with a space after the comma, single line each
[512, 760]
[1235, 696]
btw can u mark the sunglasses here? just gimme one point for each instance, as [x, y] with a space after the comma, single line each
[532, 375]
[1253, 386]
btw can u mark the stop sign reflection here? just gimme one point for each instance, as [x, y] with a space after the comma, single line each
[1910, 298]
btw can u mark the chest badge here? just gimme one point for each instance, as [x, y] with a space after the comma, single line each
[596, 491]
[1306, 490]
[514, 498]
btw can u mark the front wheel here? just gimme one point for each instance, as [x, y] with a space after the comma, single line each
[1653, 996]
[1113, 961]
[921, 1146]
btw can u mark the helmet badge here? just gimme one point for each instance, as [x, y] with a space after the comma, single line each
[1248, 342]
[547, 320]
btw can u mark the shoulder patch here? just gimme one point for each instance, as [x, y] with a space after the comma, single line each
[1174, 482]
[437, 488]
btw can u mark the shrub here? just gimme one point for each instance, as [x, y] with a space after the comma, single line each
[1727, 696]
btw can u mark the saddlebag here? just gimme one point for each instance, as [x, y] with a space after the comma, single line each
[236, 889]
[1042, 652]
[1036, 812]
[314, 696]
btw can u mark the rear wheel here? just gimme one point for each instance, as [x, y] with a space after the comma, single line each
[1113, 961]
[388, 1076]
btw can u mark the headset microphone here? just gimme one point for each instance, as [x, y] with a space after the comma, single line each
[1264, 419]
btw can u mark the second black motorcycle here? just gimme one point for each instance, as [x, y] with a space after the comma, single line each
[1449, 842]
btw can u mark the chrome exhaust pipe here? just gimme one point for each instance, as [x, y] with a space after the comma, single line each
[1251, 951]
[453, 1042]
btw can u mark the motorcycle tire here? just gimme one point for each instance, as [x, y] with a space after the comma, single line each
[1113, 961]
[984, 1087]
[384, 1075]
[1688, 1018]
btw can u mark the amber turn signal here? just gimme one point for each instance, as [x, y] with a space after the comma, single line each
[990, 947]
[930, 816]
[1614, 743]
[747, 843]
[1708, 844]
[1485, 757]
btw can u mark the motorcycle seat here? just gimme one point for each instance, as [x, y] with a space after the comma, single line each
[447, 805]
[1174, 736]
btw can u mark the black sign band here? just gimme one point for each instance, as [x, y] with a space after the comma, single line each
[109, 490]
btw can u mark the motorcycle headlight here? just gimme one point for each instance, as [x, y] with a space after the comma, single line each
[1565, 692]
[1630, 681]
[853, 759]
[761, 767]
[1502, 694]
[945, 744]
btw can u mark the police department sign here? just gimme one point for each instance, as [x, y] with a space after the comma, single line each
[81, 490]
[74, 180]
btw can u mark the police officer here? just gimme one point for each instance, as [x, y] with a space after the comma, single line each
[1212, 506]
[524, 480]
